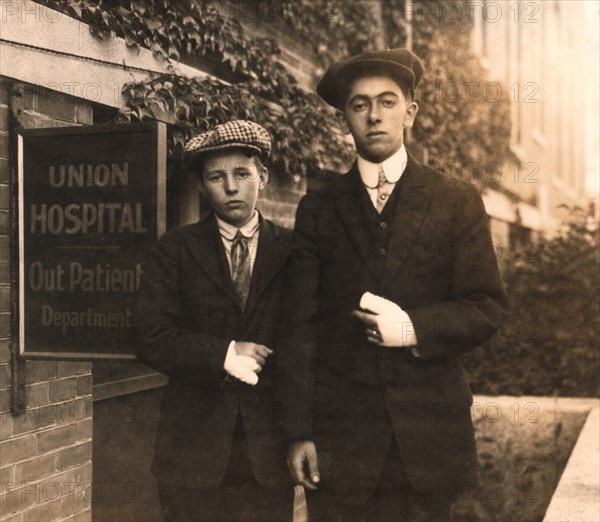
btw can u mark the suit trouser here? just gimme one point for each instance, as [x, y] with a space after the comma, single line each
[393, 500]
[238, 498]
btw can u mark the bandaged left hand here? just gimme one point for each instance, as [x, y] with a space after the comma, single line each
[387, 324]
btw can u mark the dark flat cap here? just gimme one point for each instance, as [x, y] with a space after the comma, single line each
[242, 134]
[402, 65]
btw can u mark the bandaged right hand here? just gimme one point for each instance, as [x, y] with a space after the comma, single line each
[244, 361]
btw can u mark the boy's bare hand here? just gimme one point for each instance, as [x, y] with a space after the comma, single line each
[258, 352]
[303, 464]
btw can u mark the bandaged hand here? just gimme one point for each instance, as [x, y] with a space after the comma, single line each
[242, 367]
[386, 323]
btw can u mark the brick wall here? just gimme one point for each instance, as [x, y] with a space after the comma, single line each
[279, 204]
[46, 452]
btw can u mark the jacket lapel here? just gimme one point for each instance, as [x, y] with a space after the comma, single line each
[271, 255]
[412, 207]
[206, 248]
[350, 203]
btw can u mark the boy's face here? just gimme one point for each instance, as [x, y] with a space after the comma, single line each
[376, 113]
[231, 182]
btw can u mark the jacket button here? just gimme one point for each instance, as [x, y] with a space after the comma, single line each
[382, 251]
[383, 225]
[389, 388]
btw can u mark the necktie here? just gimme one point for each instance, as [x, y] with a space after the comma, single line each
[240, 267]
[382, 190]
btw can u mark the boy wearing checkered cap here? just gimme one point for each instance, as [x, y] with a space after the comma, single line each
[206, 316]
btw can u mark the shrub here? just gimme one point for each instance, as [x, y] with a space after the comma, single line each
[549, 343]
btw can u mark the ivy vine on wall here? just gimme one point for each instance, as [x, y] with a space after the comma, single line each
[333, 28]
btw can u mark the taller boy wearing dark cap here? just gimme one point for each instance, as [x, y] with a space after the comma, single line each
[392, 276]
[206, 314]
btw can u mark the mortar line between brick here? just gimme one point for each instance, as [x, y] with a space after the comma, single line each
[63, 472]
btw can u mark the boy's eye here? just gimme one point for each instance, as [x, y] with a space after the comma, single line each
[242, 174]
[360, 106]
[388, 103]
[215, 178]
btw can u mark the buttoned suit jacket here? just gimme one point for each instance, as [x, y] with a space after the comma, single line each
[187, 313]
[352, 397]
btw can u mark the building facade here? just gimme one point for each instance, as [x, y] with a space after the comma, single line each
[533, 53]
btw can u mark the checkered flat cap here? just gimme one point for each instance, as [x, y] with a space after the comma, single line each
[242, 134]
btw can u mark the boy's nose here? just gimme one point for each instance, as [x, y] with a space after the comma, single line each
[374, 114]
[231, 184]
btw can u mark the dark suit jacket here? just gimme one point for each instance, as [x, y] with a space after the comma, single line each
[350, 396]
[187, 313]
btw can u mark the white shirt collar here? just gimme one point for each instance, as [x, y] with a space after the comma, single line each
[228, 231]
[393, 167]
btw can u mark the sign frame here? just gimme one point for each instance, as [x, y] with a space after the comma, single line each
[157, 136]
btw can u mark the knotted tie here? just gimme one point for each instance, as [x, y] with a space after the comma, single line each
[383, 189]
[240, 267]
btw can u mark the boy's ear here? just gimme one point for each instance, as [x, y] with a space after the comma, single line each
[342, 121]
[411, 114]
[200, 183]
[263, 175]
